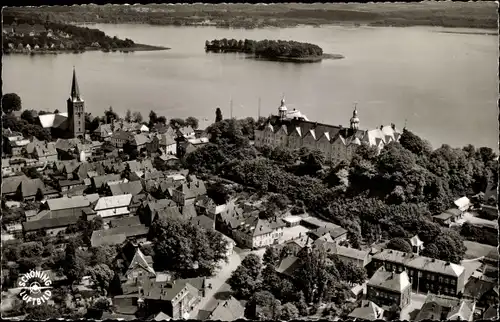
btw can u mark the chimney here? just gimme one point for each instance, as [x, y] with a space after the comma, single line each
[225, 304]
[381, 127]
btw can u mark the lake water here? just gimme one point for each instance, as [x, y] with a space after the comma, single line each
[443, 84]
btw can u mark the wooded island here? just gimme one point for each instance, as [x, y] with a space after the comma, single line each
[280, 50]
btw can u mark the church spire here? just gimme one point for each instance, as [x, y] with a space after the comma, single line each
[354, 118]
[75, 91]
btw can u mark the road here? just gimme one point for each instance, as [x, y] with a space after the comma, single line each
[410, 312]
[218, 283]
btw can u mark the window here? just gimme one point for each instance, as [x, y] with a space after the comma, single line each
[453, 281]
[440, 279]
[433, 277]
[446, 280]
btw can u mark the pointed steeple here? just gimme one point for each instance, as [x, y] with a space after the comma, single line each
[75, 91]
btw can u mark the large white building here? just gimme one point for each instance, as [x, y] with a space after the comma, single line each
[292, 129]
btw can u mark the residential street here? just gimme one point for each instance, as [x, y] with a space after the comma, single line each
[218, 283]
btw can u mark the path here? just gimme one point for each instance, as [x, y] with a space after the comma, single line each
[217, 283]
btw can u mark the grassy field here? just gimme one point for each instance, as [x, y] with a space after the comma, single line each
[480, 14]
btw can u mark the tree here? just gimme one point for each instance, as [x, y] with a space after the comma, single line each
[218, 115]
[186, 248]
[271, 256]
[162, 120]
[263, 306]
[42, 312]
[400, 244]
[73, 265]
[241, 282]
[289, 312]
[11, 102]
[29, 116]
[104, 254]
[110, 115]
[39, 195]
[177, 123]
[153, 118]
[253, 264]
[448, 246]
[193, 122]
[101, 275]
[218, 193]
[137, 117]
[414, 143]
[128, 116]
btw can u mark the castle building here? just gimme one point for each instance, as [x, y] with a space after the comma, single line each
[70, 124]
[293, 130]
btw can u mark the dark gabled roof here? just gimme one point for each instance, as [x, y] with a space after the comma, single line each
[101, 180]
[127, 221]
[117, 235]
[49, 223]
[65, 183]
[10, 184]
[30, 187]
[132, 187]
[169, 213]
[203, 221]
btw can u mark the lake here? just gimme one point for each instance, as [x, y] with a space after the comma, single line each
[444, 84]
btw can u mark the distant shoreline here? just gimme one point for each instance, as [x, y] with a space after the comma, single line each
[137, 47]
[308, 59]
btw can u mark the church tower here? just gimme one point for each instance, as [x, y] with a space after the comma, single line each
[76, 110]
[355, 119]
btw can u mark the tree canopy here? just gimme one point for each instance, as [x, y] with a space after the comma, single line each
[11, 102]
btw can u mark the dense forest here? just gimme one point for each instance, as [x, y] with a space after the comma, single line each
[445, 14]
[375, 196]
[265, 48]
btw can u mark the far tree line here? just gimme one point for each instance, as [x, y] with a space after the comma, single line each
[266, 48]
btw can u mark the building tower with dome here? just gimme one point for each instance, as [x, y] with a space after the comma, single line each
[282, 110]
[355, 119]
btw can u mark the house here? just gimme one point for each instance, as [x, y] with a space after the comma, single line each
[28, 189]
[188, 192]
[491, 313]
[483, 291]
[14, 143]
[133, 187]
[177, 298]
[440, 307]
[254, 232]
[52, 226]
[223, 310]
[416, 244]
[355, 256]
[288, 265]
[111, 207]
[43, 151]
[186, 132]
[368, 311]
[140, 265]
[426, 274]
[120, 138]
[118, 235]
[463, 204]
[10, 185]
[65, 185]
[99, 181]
[125, 222]
[103, 132]
[137, 142]
[448, 217]
[153, 145]
[337, 233]
[167, 144]
[73, 206]
[203, 221]
[148, 211]
[387, 288]
[190, 145]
